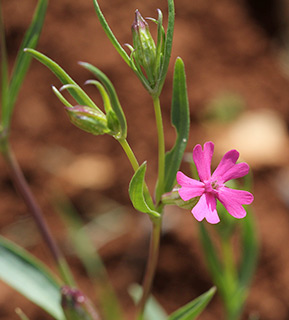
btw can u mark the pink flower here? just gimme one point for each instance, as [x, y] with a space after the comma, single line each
[212, 186]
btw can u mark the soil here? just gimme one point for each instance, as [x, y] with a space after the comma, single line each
[228, 46]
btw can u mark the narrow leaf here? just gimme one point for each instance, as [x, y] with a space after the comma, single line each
[22, 61]
[180, 117]
[110, 34]
[88, 255]
[136, 192]
[191, 310]
[212, 258]
[21, 314]
[112, 96]
[168, 46]
[4, 67]
[79, 95]
[30, 277]
[249, 250]
[153, 310]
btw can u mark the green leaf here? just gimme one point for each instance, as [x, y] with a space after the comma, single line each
[168, 47]
[21, 314]
[180, 116]
[30, 277]
[112, 96]
[191, 310]
[213, 262]
[249, 250]
[110, 34]
[4, 65]
[22, 61]
[136, 192]
[153, 310]
[78, 94]
[86, 251]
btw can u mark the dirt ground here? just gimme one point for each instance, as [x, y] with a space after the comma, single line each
[230, 48]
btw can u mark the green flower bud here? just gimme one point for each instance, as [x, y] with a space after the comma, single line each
[144, 47]
[88, 119]
[173, 198]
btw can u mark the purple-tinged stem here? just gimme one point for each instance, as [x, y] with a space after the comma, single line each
[32, 205]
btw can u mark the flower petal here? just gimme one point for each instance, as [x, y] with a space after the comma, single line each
[226, 164]
[206, 208]
[190, 188]
[203, 160]
[233, 200]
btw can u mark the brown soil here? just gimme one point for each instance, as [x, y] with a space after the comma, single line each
[227, 46]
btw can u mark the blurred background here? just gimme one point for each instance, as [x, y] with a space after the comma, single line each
[237, 62]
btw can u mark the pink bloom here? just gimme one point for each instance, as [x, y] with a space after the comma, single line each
[212, 186]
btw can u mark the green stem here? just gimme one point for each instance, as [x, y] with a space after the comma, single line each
[151, 266]
[128, 151]
[132, 159]
[24, 190]
[161, 152]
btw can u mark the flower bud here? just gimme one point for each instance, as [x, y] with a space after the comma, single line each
[88, 119]
[144, 46]
[76, 305]
[173, 198]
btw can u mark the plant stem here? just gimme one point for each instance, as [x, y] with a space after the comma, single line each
[24, 190]
[151, 266]
[127, 149]
[161, 141]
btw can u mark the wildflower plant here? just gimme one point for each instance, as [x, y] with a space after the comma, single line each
[149, 60]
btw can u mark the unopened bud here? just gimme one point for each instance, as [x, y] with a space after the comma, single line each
[144, 45]
[173, 198]
[88, 119]
[76, 305]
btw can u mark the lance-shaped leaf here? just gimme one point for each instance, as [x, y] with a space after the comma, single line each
[115, 104]
[191, 310]
[22, 61]
[249, 250]
[153, 310]
[78, 94]
[136, 192]
[212, 258]
[86, 251]
[21, 314]
[30, 277]
[3, 66]
[168, 47]
[180, 117]
[110, 34]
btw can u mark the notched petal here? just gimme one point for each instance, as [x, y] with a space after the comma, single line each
[203, 159]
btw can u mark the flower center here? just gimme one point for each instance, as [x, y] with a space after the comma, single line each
[211, 186]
